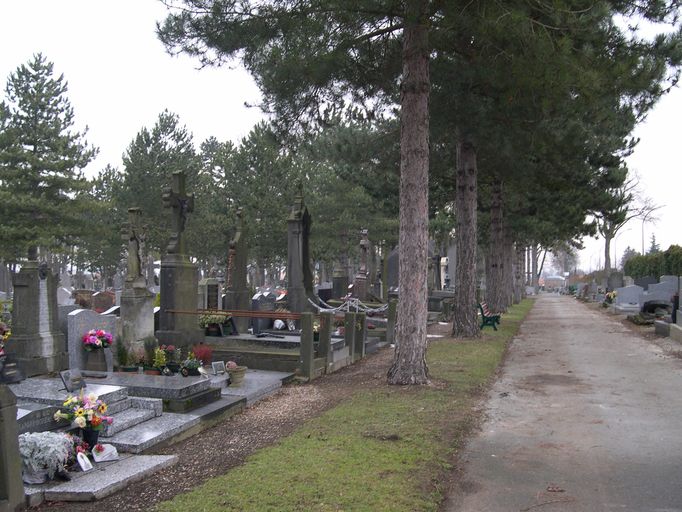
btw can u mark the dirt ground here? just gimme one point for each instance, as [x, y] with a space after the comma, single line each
[256, 427]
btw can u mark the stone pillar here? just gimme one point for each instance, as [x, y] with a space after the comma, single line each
[307, 357]
[339, 282]
[299, 273]
[324, 349]
[11, 485]
[37, 345]
[360, 282]
[360, 336]
[137, 316]
[349, 334]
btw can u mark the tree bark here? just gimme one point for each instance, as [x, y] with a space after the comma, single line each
[409, 364]
[534, 267]
[495, 282]
[465, 322]
[519, 271]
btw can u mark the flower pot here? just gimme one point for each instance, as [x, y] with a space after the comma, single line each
[174, 367]
[95, 361]
[90, 436]
[237, 375]
[128, 369]
[214, 330]
[152, 371]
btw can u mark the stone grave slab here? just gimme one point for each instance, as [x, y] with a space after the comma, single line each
[257, 384]
[52, 392]
[93, 485]
[628, 299]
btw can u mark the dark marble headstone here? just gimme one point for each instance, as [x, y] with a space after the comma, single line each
[299, 272]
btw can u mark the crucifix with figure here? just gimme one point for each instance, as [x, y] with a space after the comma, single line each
[181, 203]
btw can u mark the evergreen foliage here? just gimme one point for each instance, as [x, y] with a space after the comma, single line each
[42, 201]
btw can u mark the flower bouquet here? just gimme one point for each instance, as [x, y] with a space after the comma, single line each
[97, 338]
[85, 412]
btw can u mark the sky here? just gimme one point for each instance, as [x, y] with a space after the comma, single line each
[120, 79]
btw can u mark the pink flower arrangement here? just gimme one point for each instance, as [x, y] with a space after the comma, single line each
[85, 411]
[97, 338]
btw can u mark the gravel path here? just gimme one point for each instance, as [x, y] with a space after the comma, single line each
[237, 437]
[585, 417]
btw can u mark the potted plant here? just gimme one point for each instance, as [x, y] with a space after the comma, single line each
[94, 343]
[190, 366]
[172, 355]
[87, 413]
[236, 373]
[212, 324]
[203, 352]
[44, 454]
[150, 345]
[160, 359]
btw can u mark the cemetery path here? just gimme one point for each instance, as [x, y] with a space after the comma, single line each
[585, 416]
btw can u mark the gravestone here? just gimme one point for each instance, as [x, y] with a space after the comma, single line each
[80, 322]
[628, 281]
[615, 280]
[339, 280]
[136, 301]
[179, 279]
[299, 273]
[628, 299]
[644, 282]
[11, 485]
[36, 346]
[64, 296]
[101, 301]
[83, 298]
[262, 301]
[664, 289]
[360, 281]
[237, 291]
[209, 293]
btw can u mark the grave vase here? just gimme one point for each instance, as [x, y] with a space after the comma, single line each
[90, 436]
[237, 375]
[96, 361]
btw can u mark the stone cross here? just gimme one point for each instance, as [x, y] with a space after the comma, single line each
[132, 234]
[181, 204]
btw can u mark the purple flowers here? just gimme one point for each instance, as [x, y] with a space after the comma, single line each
[97, 338]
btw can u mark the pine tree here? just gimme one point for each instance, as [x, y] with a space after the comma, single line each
[41, 162]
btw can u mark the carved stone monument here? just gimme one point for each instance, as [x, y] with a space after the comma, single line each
[360, 285]
[237, 295]
[37, 345]
[299, 273]
[340, 273]
[178, 322]
[137, 302]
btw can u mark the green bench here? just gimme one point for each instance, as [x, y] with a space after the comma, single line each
[488, 318]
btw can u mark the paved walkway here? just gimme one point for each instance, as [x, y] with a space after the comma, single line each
[586, 416]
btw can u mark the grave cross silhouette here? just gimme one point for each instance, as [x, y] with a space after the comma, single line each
[181, 203]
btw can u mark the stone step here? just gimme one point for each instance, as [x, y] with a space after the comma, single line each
[105, 479]
[126, 419]
[172, 426]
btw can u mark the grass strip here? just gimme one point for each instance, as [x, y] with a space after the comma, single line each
[385, 449]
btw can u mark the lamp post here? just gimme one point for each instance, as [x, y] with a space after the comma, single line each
[645, 217]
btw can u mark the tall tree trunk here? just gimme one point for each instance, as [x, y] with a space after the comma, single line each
[519, 261]
[465, 322]
[495, 282]
[509, 256]
[409, 365]
[534, 267]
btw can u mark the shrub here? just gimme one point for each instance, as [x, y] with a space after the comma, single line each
[203, 353]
